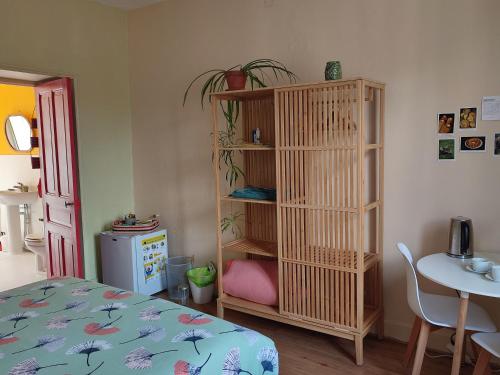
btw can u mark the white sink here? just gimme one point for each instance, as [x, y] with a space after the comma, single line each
[12, 200]
[16, 198]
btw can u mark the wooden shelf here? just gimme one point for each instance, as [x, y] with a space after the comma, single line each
[248, 148]
[247, 200]
[249, 246]
[247, 306]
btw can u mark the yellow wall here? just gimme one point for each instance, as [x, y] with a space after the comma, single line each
[14, 100]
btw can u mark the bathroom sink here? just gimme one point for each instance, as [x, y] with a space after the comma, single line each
[16, 198]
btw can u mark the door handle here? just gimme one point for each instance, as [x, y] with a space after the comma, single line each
[67, 204]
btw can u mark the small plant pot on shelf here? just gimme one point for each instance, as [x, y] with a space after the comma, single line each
[236, 79]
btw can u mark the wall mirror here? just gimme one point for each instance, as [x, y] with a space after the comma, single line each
[18, 132]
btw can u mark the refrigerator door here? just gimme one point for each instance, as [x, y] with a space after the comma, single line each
[118, 261]
[151, 261]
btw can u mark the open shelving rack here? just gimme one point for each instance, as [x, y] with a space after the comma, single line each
[323, 152]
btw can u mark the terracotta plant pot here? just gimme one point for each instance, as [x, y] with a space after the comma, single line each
[236, 80]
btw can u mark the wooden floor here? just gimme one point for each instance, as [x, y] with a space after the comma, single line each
[303, 352]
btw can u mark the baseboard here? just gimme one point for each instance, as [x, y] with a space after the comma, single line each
[401, 332]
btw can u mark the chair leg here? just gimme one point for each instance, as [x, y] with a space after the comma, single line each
[482, 364]
[425, 329]
[412, 341]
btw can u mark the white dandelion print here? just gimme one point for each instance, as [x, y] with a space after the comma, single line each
[268, 358]
[109, 308]
[232, 364]
[49, 343]
[48, 286]
[74, 306]
[30, 367]
[141, 358]
[152, 313]
[19, 317]
[88, 348]
[192, 335]
[152, 332]
[84, 290]
[249, 334]
[61, 322]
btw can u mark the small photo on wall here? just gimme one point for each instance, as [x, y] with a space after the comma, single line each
[471, 144]
[496, 149]
[446, 123]
[446, 149]
[468, 118]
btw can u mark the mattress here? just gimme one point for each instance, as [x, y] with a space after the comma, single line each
[74, 326]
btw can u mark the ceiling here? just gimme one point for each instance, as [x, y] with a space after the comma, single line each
[128, 4]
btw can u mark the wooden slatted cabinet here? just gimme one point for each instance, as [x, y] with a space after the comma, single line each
[323, 152]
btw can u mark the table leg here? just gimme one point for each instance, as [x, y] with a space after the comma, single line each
[460, 333]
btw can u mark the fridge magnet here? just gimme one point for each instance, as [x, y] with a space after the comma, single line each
[446, 149]
[471, 144]
[446, 123]
[496, 144]
[468, 118]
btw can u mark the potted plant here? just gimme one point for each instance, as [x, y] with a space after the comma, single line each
[235, 78]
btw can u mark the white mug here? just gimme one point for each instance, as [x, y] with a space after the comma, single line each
[495, 273]
[481, 264]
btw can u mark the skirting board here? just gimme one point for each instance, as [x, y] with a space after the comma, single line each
[401, 332]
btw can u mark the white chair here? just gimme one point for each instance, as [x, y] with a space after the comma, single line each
[490, 345]
[434, 312]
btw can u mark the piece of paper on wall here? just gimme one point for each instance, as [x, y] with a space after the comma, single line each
[490, 108]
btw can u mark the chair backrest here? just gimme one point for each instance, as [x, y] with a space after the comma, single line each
[412, 290]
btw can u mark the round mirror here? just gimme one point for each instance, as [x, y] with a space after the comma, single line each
[18, 131]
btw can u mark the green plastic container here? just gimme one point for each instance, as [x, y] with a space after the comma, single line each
[201, 281]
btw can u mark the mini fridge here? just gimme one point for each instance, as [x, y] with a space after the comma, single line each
[135, 261]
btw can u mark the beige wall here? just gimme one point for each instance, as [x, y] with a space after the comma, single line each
[434, 56]
[88, 42]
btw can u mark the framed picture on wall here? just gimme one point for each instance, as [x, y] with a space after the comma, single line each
[446, 149]
[473, 144]
[468, 118]
[446, 123]
[496, 144]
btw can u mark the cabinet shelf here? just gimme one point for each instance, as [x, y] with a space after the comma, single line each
[247, 200]
[249, 246]
[248, 147]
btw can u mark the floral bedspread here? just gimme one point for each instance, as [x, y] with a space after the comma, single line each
[79, 327]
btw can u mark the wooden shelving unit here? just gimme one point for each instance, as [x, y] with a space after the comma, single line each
[323, 153]
[256, 247]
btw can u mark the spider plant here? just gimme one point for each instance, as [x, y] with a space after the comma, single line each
[256, 71]
[231, 222]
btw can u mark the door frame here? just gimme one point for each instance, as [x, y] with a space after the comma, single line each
[74, 151]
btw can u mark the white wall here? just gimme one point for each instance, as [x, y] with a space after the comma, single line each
[435, 56]
[14, 169]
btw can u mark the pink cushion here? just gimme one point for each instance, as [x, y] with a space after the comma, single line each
[253, 280]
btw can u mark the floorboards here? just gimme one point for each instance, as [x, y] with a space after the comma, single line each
[304, 352]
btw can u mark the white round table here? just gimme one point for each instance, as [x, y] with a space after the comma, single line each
[451, 273]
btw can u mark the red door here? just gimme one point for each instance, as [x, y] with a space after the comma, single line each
[59, 172]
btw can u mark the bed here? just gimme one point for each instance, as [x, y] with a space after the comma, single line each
[74, 326]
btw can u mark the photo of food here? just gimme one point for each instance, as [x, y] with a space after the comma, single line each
[446, 149]
[446, 123]
[472, 143]
[496, 151]
[468, 118]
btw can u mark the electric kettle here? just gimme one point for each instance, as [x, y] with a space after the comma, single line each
[461, 238]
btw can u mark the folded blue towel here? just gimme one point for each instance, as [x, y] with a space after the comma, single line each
[250, 192]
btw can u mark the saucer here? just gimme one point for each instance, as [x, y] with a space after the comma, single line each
[470, 269]
[489, 277]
